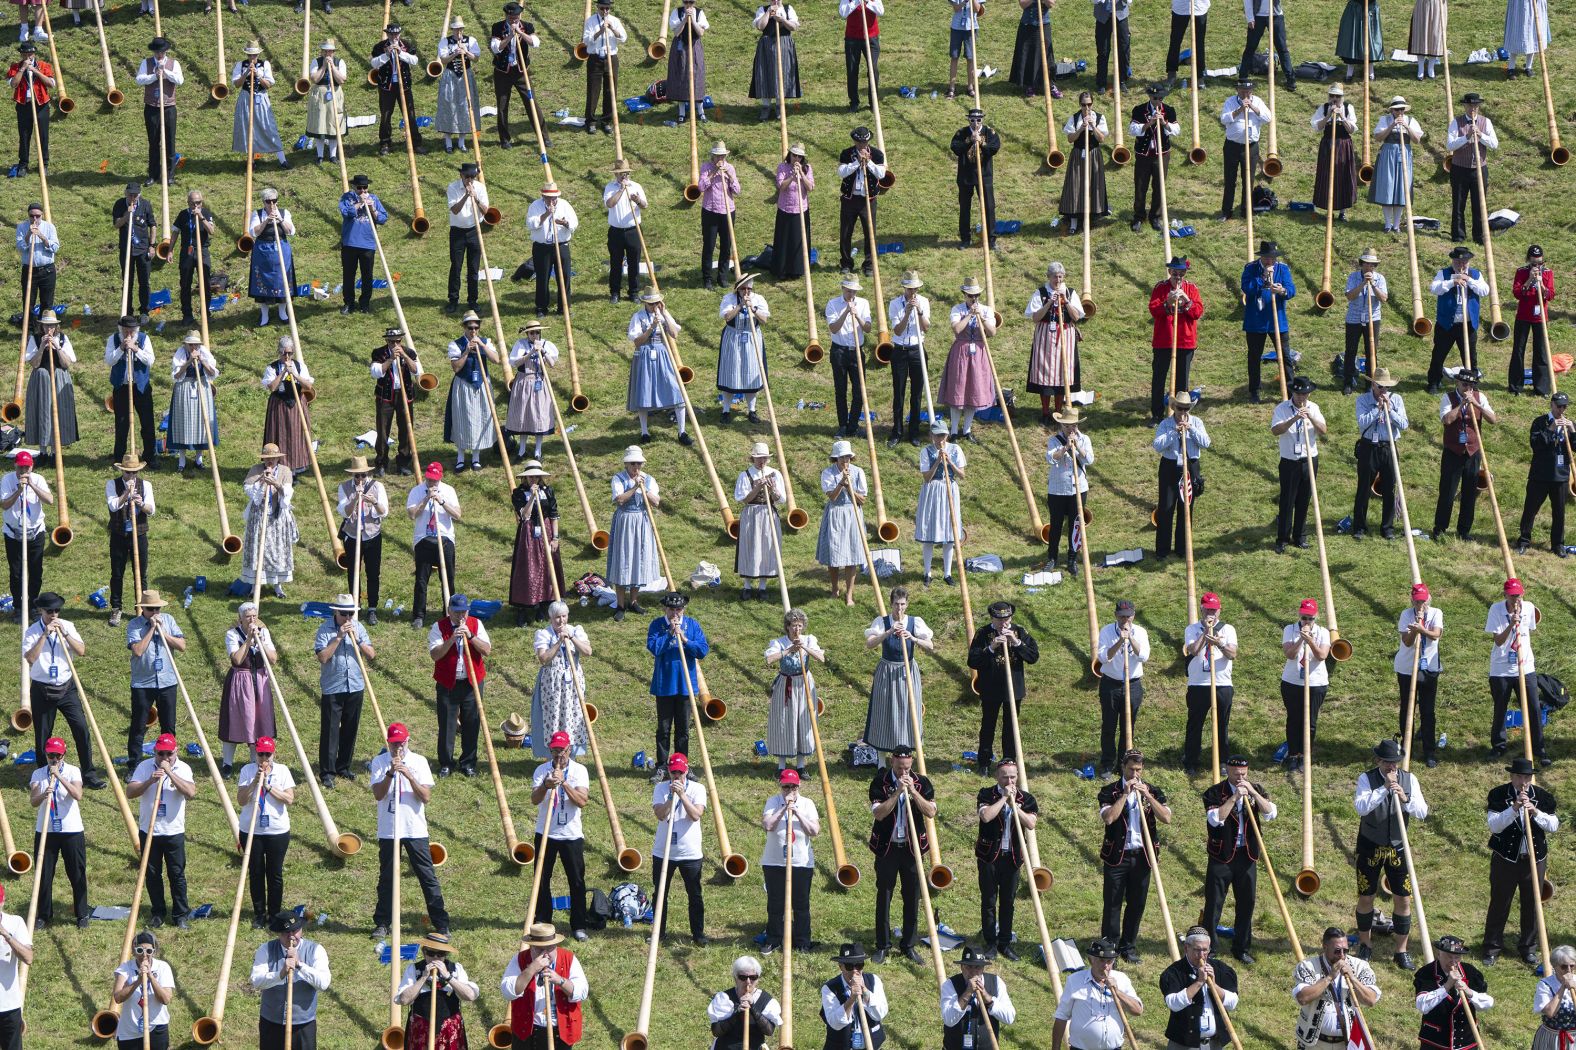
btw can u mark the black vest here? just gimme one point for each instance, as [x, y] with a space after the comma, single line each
[1446, 1024]
[952, 1035]
[1222, 844]
[384, 388]
[729, 1033]
[988, 844]
[1507, 844]
[1183, 1026]
[1382, 824]
[117, 518]
[871, 186]
[500, 31]
[1113, 849]
[882, 788]
[843, 1039]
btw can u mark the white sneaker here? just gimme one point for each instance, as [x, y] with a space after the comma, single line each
[22, 33]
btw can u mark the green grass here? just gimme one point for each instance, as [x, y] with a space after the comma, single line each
[96, 150]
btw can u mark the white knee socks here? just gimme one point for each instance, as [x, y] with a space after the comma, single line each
[229, 754]
[928, 550]
[968, 421]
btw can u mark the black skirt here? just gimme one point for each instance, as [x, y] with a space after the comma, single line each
[763, 76]
[1026, 57]
[1345, 174]
[788, 245]
[1072, 204]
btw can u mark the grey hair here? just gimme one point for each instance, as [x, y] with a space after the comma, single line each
[285, 342]
[1196, 934]
[557, 607]
[1055, 268]
[245, 608]
[1563, 955]
[746, 966]
[795, 616]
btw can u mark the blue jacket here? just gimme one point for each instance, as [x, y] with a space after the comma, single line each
[354, 229]
[1256, 314]
[667, 677]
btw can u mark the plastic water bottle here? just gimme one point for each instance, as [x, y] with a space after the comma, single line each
[1444, 739]
[800, 405]
[186, 598]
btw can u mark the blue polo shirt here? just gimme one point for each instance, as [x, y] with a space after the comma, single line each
[154, 669]
[1256, 290]
[342, 674]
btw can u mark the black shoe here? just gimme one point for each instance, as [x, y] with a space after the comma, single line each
[1253, 398]
[1433, 388]
[1545, 760]
[1522, 546]
[467, 771]
[451, 308]
[989, 953]
[380, 932]
[327, 780]
[590, 129]
[1358, 534]
[156, 921]
[184, 923]
[506, 144]
[372, 617]
[1135, 225]
[82, 923]
[1489, 958]
[635, 607]
[1388, 533]
[645, 439]
[461, 467]
[982, 767]
[686, 440]
[699, 942]
[418, 623]
[914, 440]
[892, 441]
[1291, 85]
[1364, 951]
[1304, 544]
[1130, 955]
[95, 781]
[1404, 961]
[1006, 951]
[1244, 957]
[444, 771]
[1280, 548]
[878, 956]
[614, 298]
[753, 418]
[913, 956]
[1154, 224]
[1296, 764]
[727, 417]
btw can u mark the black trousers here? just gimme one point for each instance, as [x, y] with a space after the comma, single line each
[150, 121]
[1169, 536]
[1256, 342]
[1179, 37]
[1198, 720]
[906, 373]
[569, 854]
[1241, 876]
[43, 284]
[1374, 462]
[1063, 515]
[1231, 154]
[457, 707]
[119, 560]
[1357, 335]
[391, 415]
[1505, 880]
[690, 870]
[505, 85]
[714, 237]
[50, 700]
[1557, 493]
[773, 874]
[1160, 374]
[388, 105]
[623, 254]
[1295, 490]
[1541, 380]
[158, 1039]
[1111, 695]
[599, 88]
[1291, 700]
[266, 874]
[143, 701]
[1427, 730]
[189, 281]
[846, 378]
[672, 727]
[339, 722]
[35, 575]
[24, 132]
[1102, 45]
[142, 400]
[851, 210]
[352, 260]
[968, 196]
[426, 562]
[894, 866]
[465, 246]
[1457, 472]
[1146, 186]
[1126, 886]
[70, 847]
[371, 551]
[271, 1035]
[998, 895]
[1446, 339]
[142, 270]
[1464, 191]
[1277, 40]
[168, 854]
[419, 853]
[1506, 695]
[853, 54]
[545, 259]
[991, 705]
[11, 1030]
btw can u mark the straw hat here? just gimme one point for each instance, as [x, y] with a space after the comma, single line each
[470, 316]
[1069, 416]
[533, 469]
[192, 339]
[760, 450]
[457, 23]
[972, 287]
[1399, 102]
[1369, 256]
[131, 464]
[543, 935]
[328, 45]
[1382, 378]
[513, 727]
[358, 465]
[271, 451]
[651, 295]
[343, 603]
[797, 150]
[435, 941]
[850, 283]
[911, 279]
[720, 149]
[621, 166]
[151, 599]
[252, 48]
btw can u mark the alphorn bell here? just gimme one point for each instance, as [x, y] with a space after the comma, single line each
[246, 242]
[105, 1021]
[1365, 171]
[1421, 324]
[1498, 330]
[112, 94]
[303, 85]
[12, 410]
[435, 67]
[657, 50]
[418, 222]
[229, 543]
[1559, 156]
[1195, 154]
[692, 190]
[1120, 154]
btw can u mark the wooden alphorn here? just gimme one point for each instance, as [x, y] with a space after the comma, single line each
[393, 1036]
[112, 94]
[105, 1021]
[66, 104]
[637, 1040]
[1323, 299]
[1559, 156]
[206, 1029]
[1196, 154]
[1054, 157]
[13, 409]
[657, 50]
[38, 879]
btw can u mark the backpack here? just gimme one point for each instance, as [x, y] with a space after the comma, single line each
[630, 904]
[599, 911]
[1550, 691]
[657, 92]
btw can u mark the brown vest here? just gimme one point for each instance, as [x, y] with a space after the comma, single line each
[1466, 157]
[1461, 438]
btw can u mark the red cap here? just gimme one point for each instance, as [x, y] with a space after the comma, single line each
[165, 743]
[398, 734]
[434, 471]
[558, 739]
[1420, 592]
[264, 746]
[677, 763]
[54, 746]
[24, 458]
[788, 776]
[1211, 600]
[1309, 607]
[1513, 586]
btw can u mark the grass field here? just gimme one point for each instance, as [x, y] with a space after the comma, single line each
[97, 149]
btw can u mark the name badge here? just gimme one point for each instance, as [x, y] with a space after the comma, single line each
[128, 525]
[968, 1041]
[163, 808]
[55, 825]
[1296, 449]
[1463, 439]
[537, 386]
[158, 664]
[54, 671]
[262, 821]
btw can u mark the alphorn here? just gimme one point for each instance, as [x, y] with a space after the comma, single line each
[686, 373]
[115, 787]
[957, 523]
[847, 872]
[38, 880]
[813, 351]
[13, 409]
[1160, 173]
[1307, 881]
[38, 144]
[888, 178]
[221, 88]
[1323, 299]
[785, 1033]
[112, 94]
[1269, 867]
[1365, 172]
[435, 67]
[497, 319]
[17, 860]
[1450, 92]
[599, 537]
[1247, 195]
[530, 100]
[1054, 157]
[1272, 165]
[612, 92]
[393, 1036]
[782, 92]
[692, 191]
[418, 222]
[1559, 156]
[104, 1022]
[163, 248]
[64, 102]
[61, 534]
[1196, 154]
[580, 50]
[303, 85]
[1275, 337]
[1042, 877]
[355, 590]
[1340, 648]
[638, 1039]
[202, 742]
[733, 864]
[206, 1029]
[578, 401]
[1417, 890]
[1498, 330]
[657, 50]
[1033, 875]
[230, 542]
[1084, 516]
[1421, 325]
[491, 215]
[301, 398]
[886, 528]
[499, 1035]
[934, 940]
[1120, 154]
[1088, 137]
[22, 717]
[883, 350]
[246, 242]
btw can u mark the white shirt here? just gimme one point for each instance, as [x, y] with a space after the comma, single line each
[131, 1011]
[148, 71]
[753, 316]
[1342, 113]
[1073, 126]
[1131, 659]
[626, 213]
[776, 848]
[676, 20]
[1366, 799]
[275, 817]
[1460, 135]
[602, 36]
[28, 504]
[576, 992]
[258, 493]
[1503, 661]
[543, 222]
[1428, 1000]
[686, 832]
[1001, 1008]
[1499, 821]
[1444, 283]
[143, 351]
[852, 332]
[65, 353]
[1429, 660]
[1091, 1011]
[1409, 130]
[1180, 7]
[831, 476]
[644, 319]
[1179, 1000]
[523, 348]
[234, 640]
[434, 520]
[1301, 440]
[857, 170]
[52, 666]
[10, 993]
[1072, 304]
[448, 47]
[566, 815]
[919, 629]
[1198, 663]
[764, 23]
[465, 218]
[849, 7]
[183, 358]
[1323, 1016]
[435, 639]
[1241, 118]
[897, 309]
[1059, 482]
[65, 810]
[311, 967]
[261, 219]
[1262, 6]
[1319, 671]
[297, 366]
[749, 476]
[875, 1005]
[264, 73]
[500, 44]
[171, 817]
[412, 811]
[417, 978]
[374, 508]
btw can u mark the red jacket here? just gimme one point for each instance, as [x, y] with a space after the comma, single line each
[1187, 320]
[40, 91]
[855, 27]
[1526, 293]
[522, 1011]
[445, 668]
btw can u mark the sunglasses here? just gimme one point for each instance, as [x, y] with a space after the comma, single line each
[145, 950]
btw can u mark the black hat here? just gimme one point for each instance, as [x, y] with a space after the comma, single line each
[972, 956]
[674, 600]
[1245, 83]
[1471, 97]
[130, 321]
[1522, 767]
[145, 937]
[851, 954]
[285, 922]
[860, 134]
[1157, 90]
[976, 112]
[1461, 252]
[1102, 948]
[903, 751]
[1388, 751]
[1302, 385]
[1269, 248]
[158, 44]
[1237, 760]
[35, 206]
[1452, 944]
[49, 601]
[1561, 398]
[1124, 608]
[27, 47]
[1469, 375]
[1535, 251]
[512, 8]
[360, 180]
[469, 168]
[392, 29]
[1001, 610]
[394, 333]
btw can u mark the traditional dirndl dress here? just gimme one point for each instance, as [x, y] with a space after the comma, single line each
[273, 264]
[467, 420]
[246, 705]
[528, 582]
[1393, 169]
[282, 424]
[1026, 65]
[555, 706]
[632, 545]
[530, 401]
[322, 106]
[1047, 365]
[887, 722]
[740, 353]
[763, 74]
[838, 546]
[679, 72]
[1521, 36]
[966, 380]
[457, 113]
[1072, 204]
[265, 126]
[450, 1033]
[278, 545]
[1426, 37]
[1345, 169]
[788, 727]
[1557, 1032]
[760, 529]
[186, 412]
[1349, 42]
[653, 382]
[39, 428]
[933, 515]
